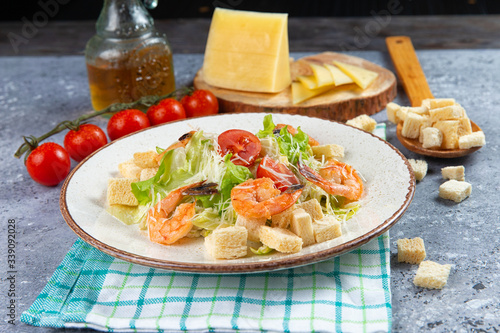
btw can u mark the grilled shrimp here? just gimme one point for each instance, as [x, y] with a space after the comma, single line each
[182, 142]
[256, 198]
[336, 178]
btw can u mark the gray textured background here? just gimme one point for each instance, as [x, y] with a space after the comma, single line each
[37, 93]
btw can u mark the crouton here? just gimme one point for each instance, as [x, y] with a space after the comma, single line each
[392, 109]
[280, 239]
[464, 127]
[148, 173]
[328, 151]
[301, 225]
[129, 169]
[401, 113]
[435, 103]
[227, 243]
[252, 226]
[446, 113]
[411, 251]
[475, 139]
[455, 190]
[363, 122]
[313, 208]
[120, 192]
[431, 137]
[326, 229]
[419, 168]
[420, 110]
[282, 220]
[426, 123]
[454, 172]
[449, 128]
[146, 159]
[431, 275]
[411, 125]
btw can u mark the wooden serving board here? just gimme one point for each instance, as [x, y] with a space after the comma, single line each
[341, 103]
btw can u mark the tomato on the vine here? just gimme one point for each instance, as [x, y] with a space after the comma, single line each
[84, 141]
[244, 146]
[282, 177]
[126, 122]
[166, 110]
[200, 103]
[48, 164]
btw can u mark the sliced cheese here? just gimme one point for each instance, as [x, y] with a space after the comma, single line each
[247, 51]
[362, 77]
[308, 80]
[339, 78]
[301, 93]
[322, 75]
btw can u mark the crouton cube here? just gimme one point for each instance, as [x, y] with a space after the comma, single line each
[411, 125]
[411, 251]
[328, 151]
[146, 159]
[446, 113]
[435, 103]
[454, 172]
[363, 122]
[464, 127]
[431, 137]
[282, 220]
[420, 110]
[313, 208]
[129, 169]
[426, 123]
[252, 226]
[475, 139]
[392, 109]
[449, 128]
[455, 190]
[148, 173]
[120, 192]
[431, 275]
[326, 229]
[227, 243]
[282, 240]
[301, 225]
[419, 168]
[401, 113]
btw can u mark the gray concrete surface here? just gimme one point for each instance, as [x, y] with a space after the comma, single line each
[38, 92]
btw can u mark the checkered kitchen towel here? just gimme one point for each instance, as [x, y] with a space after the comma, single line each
[350, 293]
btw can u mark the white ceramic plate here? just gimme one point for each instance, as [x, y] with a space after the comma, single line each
[389, 187]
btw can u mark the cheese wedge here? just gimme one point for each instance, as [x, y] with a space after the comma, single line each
[322, 75]
[247, 51]
[362, 77]
[339, 78]
[308, 80]
[301, 93]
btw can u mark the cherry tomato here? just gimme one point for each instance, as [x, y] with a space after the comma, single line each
[167, 110]
[48, 164]
[83, 142]
[244, 146]
[126, 122]
[278, 172]
[200, 103]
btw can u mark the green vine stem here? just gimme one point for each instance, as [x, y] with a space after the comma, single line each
[31, 142]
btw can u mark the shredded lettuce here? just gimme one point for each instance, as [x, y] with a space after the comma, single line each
[264, 249]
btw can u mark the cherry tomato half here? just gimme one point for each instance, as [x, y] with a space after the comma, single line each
[278, 172]
[244, 146]
[126, 122]
[200, 103]
[166, 110]
[83, 142]
[48, 164]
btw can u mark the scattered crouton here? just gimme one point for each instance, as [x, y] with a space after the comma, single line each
[328, 151]
[282, 240]
[227, 243]
[431, 275]
[129, 169]
[419, 168]
[411, 251]
[120, 192]
[363, 122]
[455, 190]
[252, 226]
[326, 229]
[301, 225]
[475, 139]
[146, 159]
[454, 172]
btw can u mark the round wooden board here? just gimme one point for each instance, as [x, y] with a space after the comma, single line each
[340, 104]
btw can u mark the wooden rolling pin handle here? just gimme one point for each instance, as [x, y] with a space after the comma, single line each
[408, 68]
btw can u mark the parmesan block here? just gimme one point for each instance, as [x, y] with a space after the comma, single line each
[227, 243]
[339, 78]
[419, 168]
[411, 251]
[475, 139]
[361, 76]
[392, 109]
[449, 128]
[455, 190]
[322, 75]
[432, 275]
[454, 172]
[411, 125]
[247, 51]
